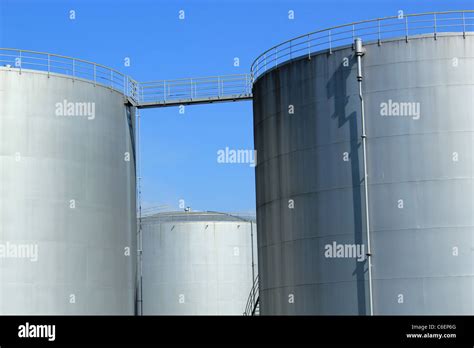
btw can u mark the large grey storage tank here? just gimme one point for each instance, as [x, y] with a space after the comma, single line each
[197, 263]
[67, 194]
[310, 178]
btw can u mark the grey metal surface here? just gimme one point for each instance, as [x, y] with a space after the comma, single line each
[66, 188]
[423, 261]
[196, 263]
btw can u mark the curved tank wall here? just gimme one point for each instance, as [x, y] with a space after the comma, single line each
[197, 263]
[310, 197]
[67, 197]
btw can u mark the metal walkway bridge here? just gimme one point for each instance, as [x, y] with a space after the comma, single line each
[202, 90]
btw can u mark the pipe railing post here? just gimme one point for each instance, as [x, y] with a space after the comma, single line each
[353, 36]
[164, 90]
[463, 26]
[330, 42]
[73, 69]
[20, 61]
[309, 47]
[406, 28]
[124, 86]
[95, 74]
[435, 26]
[49, 64]
[379, 42]
[276, 56]
[134, 90]
[127, 88]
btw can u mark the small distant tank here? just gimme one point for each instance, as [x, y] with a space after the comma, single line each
[197, 263]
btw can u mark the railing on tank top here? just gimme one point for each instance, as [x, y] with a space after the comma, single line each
[378, 30]
[73, 67]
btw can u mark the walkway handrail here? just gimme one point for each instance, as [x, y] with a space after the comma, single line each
[163, 92]
[378, 29]
[210, 87]
[75, 67]
[253, 299]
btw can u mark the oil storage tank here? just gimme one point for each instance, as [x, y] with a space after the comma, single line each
[67, 189]
[417, 93]
[197, 263]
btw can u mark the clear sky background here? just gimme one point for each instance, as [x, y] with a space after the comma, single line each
[179, 152]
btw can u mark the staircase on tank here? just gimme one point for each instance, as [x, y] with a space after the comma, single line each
[253, 303]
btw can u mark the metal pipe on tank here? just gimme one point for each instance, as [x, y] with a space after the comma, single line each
[251, 247]
[359, 52]
[139, 230]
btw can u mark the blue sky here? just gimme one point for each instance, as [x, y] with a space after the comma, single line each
[179, 152]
